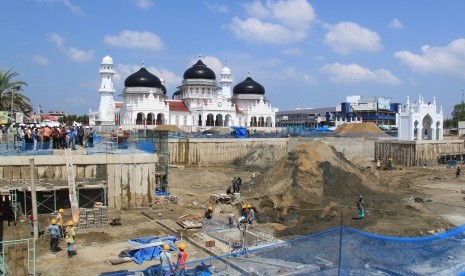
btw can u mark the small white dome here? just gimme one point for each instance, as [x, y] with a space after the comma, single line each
[107, 60]
[225, 70]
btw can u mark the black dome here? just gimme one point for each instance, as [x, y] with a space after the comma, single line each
[249, 86]
[199, 71]
[163, 88]
[177, 93]
[142, 78]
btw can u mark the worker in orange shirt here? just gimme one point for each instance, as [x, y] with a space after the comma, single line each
[181, 263]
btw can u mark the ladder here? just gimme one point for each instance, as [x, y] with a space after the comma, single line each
[13, 200]
[72, 186]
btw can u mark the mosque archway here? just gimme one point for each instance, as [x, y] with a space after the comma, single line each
[253, 121]
[150, 119]
[140, 118]
[210, 120]
[438, 130]
[160, 119]
[415, 130]
[199, 122]
[219, 120]
[269, 122]
[427, 123]
[261, 121]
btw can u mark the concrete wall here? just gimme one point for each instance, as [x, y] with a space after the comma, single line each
[128, 179]
[215, 151]
[414, 153]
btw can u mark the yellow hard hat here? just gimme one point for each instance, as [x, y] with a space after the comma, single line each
[54, 221]
[244, 206]
[70, 223]
[166, 246]
[249, 206]
[61, 210]
[210, 208]
[182, 246]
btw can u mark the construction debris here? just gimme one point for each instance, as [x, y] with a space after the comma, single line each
[165, 200]
[222, 198]
[190, 221]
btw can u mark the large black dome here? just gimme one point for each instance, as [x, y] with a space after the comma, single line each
[142, 78]
[199, 71]
[249, 86]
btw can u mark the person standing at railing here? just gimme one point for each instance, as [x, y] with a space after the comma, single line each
[47, 132]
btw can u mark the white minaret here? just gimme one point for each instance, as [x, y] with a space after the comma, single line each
[225, 82]
[107, 104]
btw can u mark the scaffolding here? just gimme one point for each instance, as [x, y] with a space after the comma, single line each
[18, 257]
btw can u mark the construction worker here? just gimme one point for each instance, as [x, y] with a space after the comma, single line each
[59, 219]
[243, 217]
[181, 263]
[70, 239]
[54, 235]
[361, 208]
[209, 213]
[251, 215]
[166, 262]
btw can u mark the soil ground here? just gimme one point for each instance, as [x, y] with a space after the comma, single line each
[402, 202]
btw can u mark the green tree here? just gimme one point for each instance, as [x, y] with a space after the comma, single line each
[458, 114]
[11, 92]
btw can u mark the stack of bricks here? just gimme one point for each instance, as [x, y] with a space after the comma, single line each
[93, 217]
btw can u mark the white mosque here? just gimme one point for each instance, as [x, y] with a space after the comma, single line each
[199, 103]
[420, 121]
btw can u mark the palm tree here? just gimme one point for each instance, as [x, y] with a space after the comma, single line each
[11, 93]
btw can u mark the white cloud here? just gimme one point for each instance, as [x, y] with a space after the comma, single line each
[40, 60]
[297, 14]
[293, 13]
[276, 22]
[396, 24]
[143, 4]
[67, 3]
[292, 74]
[80, 55]
[449, 60]
[256, 9]
[346, 37]
[255, 30]
[292, 52]
[134, 39]
[216, 7]
[354, 73]
[56, 39]
[72, 52]
[75, 9]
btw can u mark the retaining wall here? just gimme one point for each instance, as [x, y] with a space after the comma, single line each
[415, 153]
[215, 151]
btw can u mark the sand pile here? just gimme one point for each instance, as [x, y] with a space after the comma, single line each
[359, 129]
[311, 176]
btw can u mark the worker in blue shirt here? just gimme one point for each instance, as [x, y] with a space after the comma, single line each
[54, 235]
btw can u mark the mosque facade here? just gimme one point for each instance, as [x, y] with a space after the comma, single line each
[200, 101]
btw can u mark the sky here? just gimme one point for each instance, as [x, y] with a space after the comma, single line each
[305, 53]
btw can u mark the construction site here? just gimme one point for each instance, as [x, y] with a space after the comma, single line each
[127, 202]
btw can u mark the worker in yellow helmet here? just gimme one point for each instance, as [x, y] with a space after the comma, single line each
[70, 239]
[54, 235]
[209, 213]
[166, 261]
[251, 215]
[181, 263]
[59, 219]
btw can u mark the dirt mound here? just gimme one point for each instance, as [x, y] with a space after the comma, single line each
[359, 128]
[312, 177]
[260, 158]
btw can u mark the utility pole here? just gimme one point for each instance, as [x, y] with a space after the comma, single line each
[34, 201]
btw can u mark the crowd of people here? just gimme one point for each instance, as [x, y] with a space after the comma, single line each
[36, 136]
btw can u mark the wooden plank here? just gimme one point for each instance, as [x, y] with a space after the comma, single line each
[153, 244]
[120, 261]
[72, 187]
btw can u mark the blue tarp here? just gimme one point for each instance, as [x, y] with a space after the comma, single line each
[241, 132]
[150, 253]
